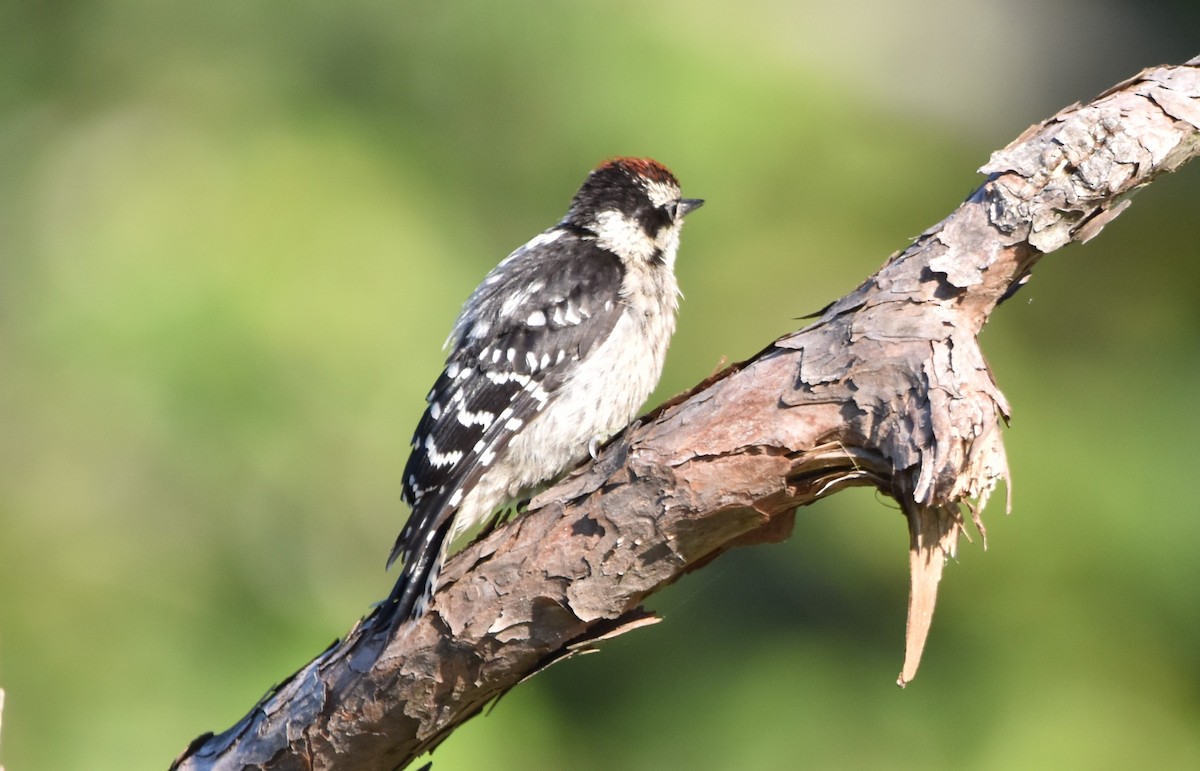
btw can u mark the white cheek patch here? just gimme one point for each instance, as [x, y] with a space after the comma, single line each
[623, 235]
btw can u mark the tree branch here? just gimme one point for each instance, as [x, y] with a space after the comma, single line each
[888, 387]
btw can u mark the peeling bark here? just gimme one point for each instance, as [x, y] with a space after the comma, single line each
[888, 387]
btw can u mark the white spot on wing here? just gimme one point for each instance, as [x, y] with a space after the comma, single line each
[512, 302]
[441, 459]
[504, 377]
[536, 319]
[541, 239]
[537, 392]
[482, 418]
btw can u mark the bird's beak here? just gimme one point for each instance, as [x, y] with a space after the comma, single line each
[687, 205]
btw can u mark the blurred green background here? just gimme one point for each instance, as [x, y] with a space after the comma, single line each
[233, 236]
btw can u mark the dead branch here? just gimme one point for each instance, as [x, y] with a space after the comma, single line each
[888, 387]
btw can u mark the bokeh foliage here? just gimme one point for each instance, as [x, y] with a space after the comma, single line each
[233, 235]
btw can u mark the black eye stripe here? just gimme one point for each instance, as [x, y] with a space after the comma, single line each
[656, 218]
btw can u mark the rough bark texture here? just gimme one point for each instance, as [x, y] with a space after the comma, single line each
[888, 387]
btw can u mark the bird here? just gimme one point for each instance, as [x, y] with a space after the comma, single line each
[553, 353]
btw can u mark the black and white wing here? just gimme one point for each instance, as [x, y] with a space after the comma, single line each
[520, 335]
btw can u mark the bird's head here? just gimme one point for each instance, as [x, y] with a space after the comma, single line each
[633, 206]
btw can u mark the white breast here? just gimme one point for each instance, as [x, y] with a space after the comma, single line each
[597, 400]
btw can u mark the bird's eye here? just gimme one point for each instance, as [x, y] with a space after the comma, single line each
[672, 209]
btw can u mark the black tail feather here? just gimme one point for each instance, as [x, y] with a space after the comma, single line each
[416, 583]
